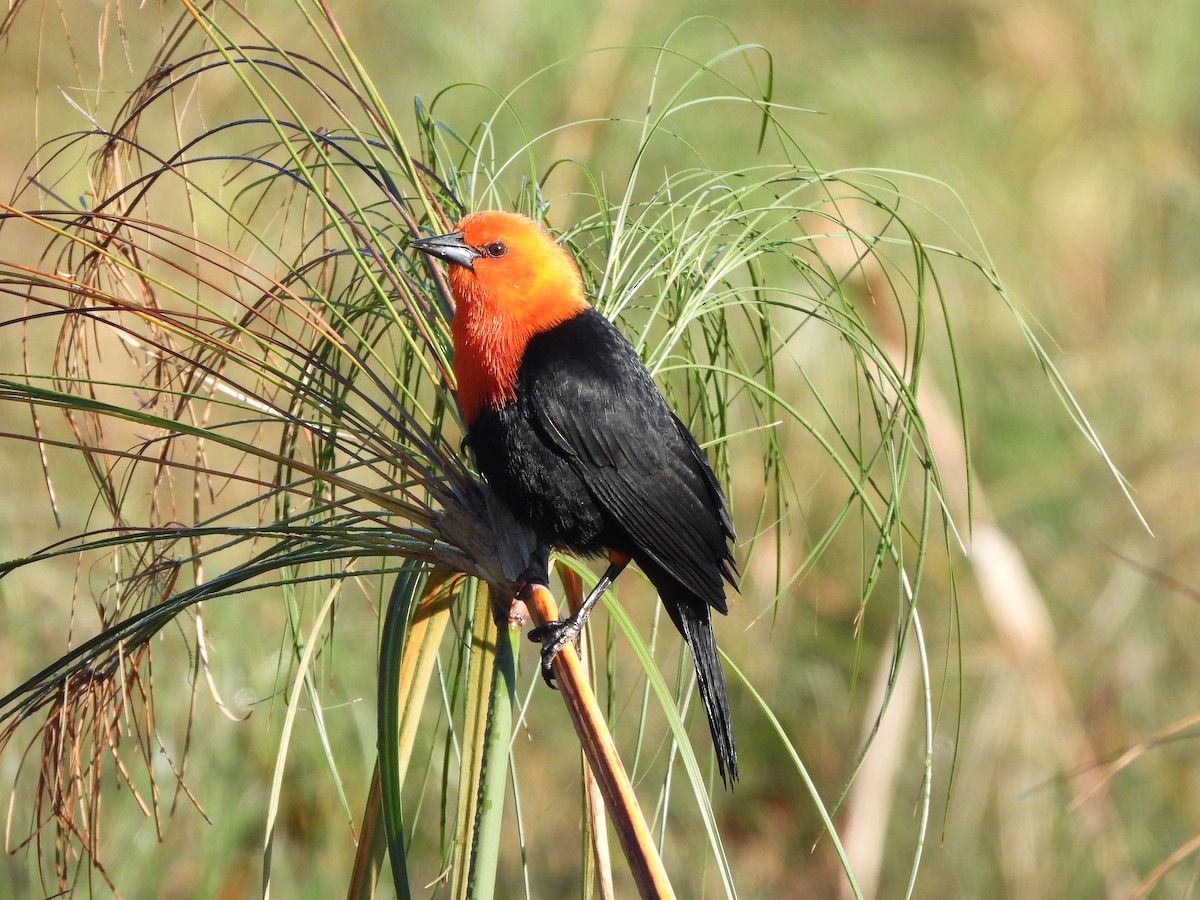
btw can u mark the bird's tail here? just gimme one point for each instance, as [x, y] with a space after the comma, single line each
[693, 617]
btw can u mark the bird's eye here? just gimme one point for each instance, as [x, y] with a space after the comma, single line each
[495, 249]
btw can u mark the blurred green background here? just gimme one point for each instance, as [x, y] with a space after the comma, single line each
[1072, 132]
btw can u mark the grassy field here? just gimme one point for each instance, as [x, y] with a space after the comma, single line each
[1062, 137]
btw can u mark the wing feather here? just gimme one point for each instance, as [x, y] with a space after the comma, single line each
[593, 402]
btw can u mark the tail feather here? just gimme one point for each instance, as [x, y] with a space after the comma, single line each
[693, 617]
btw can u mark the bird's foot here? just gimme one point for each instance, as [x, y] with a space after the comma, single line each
[553, 636]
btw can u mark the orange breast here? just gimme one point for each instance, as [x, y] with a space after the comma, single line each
[485, 363]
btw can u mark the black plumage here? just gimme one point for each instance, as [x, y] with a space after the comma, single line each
[592, 458]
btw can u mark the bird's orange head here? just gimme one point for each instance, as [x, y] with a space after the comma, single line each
[510, 281]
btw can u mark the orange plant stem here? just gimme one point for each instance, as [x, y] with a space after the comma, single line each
[631, 827]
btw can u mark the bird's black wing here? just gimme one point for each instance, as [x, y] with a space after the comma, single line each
[592, 401]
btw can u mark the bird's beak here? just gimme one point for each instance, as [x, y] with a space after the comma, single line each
[450, 247]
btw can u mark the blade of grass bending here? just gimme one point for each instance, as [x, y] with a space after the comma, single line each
[634, 834]
[412, 632]
[474, 735]
[798, 763]
[683, 748]
[310, 647]
[493, 776]
[291, 578]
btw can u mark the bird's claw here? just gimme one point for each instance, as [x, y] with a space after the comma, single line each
[553, 636]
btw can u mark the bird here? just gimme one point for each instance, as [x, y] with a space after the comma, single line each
[570, 431]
